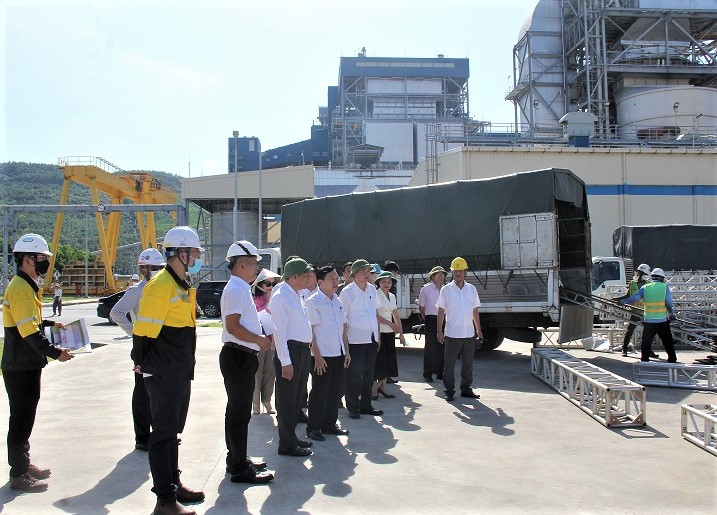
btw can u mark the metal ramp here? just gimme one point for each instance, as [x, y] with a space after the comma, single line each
[677, 375]
[699, 425]
[608, 398]
[685, 331]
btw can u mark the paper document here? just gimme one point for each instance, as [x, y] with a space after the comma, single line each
[73, 337]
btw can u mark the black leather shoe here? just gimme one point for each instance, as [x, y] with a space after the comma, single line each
[354, 414]
[449, 397]
[391, 380]
[305, 444]
[336, 430]
[315, 435]
[296, 451]
[141, 447]
[470, 395]
[654, 355]
[302, 418]
[257, 464]
[371, 411]
[251, 475]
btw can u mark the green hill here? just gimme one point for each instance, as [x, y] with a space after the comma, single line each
[39, 184]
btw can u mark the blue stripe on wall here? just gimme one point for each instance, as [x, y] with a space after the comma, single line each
[631, 189]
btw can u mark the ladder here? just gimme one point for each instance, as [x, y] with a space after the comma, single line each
[685, 331]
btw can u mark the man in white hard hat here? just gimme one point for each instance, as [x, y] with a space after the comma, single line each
[164, 342]
[124, 314]
[24, 356]
[458, 304]
[658, 309]
[642, 277]
[243, 339]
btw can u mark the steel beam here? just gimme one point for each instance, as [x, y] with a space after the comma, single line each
[699, 425]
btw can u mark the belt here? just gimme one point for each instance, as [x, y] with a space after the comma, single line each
[297, 342]
[241, 348]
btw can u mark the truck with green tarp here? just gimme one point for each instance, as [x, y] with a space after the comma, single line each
[524, 237]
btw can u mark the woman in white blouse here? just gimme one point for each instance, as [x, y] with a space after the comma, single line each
[390, 324]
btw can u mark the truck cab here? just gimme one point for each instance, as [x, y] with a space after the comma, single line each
[609, 271]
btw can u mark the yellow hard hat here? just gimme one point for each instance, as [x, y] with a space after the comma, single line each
[459, 264]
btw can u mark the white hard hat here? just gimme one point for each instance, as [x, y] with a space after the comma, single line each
[135, 277]
[32, 244]
[264, 275]
[242, 248]
[151, 257]
[659, 272]
[182, 236]
[644, 268]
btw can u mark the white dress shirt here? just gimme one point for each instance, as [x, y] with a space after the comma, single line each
[428, 297]
[327, 319]
[361, 307]
[236, 300]
[290, 318]
[458, 304]
[388, 304]
[128, 305]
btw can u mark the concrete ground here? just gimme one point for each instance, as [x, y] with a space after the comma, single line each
[520, 448]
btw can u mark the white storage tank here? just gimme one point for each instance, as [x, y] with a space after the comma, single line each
[666, 112]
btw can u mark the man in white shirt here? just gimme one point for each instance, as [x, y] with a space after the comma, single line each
[291, 362]
[243, 339]
[427, 298]
[458, 304]
[124, 313]
[361, 305]
[331, 355]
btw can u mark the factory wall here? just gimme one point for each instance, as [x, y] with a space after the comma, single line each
[625, 186]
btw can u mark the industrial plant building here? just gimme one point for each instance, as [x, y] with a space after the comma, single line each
[622, 92]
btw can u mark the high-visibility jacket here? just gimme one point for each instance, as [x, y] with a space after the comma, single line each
[655, 295]
[632, 289]
[25, 347]
[164, 334]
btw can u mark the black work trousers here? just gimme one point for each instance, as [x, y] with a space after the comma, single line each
[453, 347]
[23, 395]
[325, 396]
[432, 351]
[239, 371]
[169, 402]
[360, 376]
[141, 411]
[661, 329]
[290, 394]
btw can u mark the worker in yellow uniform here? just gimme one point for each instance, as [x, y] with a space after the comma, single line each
[24, 356]
[164, 343]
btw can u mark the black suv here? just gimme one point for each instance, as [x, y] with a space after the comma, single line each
[209, 293]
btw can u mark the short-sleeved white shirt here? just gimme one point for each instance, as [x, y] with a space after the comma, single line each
[388, 304]
[360, 307]
[458, 304]
[327, 319]
[236, 300]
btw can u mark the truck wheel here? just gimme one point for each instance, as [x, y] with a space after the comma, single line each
[492, 338]
[211, 310]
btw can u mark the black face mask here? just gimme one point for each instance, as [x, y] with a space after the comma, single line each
[41, 267]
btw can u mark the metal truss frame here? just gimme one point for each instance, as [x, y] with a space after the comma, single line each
[699, 425]
[608, 398]
[676, 375]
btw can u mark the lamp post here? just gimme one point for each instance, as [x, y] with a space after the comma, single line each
[675, 109]
[695, 127]
[236, 188]
[261, 214]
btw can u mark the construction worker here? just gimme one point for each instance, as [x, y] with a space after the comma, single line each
[642, 277]
[658, 308]
[458, 304]
[164, 342]
[124, 314]
[24, 356]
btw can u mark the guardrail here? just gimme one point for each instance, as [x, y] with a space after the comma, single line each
[699, 423]
[608, 398]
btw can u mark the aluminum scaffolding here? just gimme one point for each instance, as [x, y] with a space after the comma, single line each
[676, 375]
[608, 398]
[699, 425]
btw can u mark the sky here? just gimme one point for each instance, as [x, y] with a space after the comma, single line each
[155, 85]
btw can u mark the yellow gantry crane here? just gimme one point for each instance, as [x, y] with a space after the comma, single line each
[101, 176]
